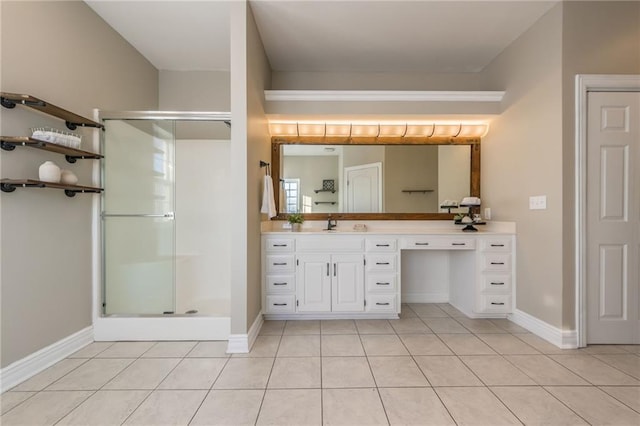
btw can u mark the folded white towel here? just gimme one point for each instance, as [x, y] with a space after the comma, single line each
[268, 200]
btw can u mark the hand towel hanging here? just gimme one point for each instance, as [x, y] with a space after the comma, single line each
[268, 200]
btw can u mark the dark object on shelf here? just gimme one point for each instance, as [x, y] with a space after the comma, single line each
[10, 100]
[333, 191]
[10, 185]
[325, 202]
[9, 143]
[469, 226]
[411, 191]
[329, 185]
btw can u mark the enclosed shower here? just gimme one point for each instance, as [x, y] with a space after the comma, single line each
[164, 218]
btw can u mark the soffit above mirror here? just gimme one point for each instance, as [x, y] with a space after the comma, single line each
[383, 103]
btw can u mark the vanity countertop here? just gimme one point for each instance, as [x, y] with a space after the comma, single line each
[389, 228]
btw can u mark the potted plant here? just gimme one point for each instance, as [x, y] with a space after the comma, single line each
[295, 219]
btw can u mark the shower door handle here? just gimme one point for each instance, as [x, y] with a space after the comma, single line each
[170, 215]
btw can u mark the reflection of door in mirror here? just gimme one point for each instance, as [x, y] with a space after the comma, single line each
[413, 179]
[364, 188]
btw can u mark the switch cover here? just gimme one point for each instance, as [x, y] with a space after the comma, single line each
[538, 202]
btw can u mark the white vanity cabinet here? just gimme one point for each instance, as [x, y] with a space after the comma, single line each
[495, 275]
[330, 283]
[382, 271]
[360, 275]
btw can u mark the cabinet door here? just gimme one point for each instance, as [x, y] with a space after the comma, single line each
[347, 283]
[313, 283]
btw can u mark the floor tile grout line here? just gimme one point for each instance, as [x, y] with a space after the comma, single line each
[76, 406]
[616, 368]
[563, 403]
[86, 360]
[616, 398]
[208, 390]
[266, 385]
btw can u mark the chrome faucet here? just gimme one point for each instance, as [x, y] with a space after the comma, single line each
[331, 223]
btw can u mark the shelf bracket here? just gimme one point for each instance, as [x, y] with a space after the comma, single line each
[7, 146]
[7, 187]
[8, 103]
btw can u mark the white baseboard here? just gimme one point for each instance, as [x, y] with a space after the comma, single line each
[21, 370]
[161, 328]
[242, 343]
[564, 339]
[425, 297]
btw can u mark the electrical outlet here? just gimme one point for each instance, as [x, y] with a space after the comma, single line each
[538, 202]
[487, 213]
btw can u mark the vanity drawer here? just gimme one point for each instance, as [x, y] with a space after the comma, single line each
[381, 262]
[495, 283]
[330, 242]
[497, 262]
[280, 263]
[381, 245]
[281, 283]
[382, 283]
[494, 303]
[381, 303]
[281, 304]
[433, 243]
[497, 244]
[282, 245]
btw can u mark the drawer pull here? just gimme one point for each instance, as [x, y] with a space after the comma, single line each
[382, 245]
[422, 244]
[279, 304]
[286, 283]
[383, 283]
[279, 245]
[497, 245]
[382, 263]
[497, 283]
[497, 303]
[458, 244]
[497, 263]
[382, 304]
[327, 268]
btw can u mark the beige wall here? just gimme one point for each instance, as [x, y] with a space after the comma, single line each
[312, 170]
[411, 167]
[46, 236]
[377, 81]
[259, 148]
[195, 91]
[598, 38]
[522, 156]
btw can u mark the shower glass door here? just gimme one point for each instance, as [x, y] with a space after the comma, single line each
[138, 224]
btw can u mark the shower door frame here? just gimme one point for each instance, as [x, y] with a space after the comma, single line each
[145, 327]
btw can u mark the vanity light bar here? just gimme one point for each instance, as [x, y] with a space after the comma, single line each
[293, 128]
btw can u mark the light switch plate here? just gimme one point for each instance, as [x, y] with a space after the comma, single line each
[538, 202]
[487, 213]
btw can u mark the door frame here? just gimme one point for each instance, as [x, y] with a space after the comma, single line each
[585, 83]
[378, 166]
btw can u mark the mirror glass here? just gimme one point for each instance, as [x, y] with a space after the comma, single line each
[373, 178]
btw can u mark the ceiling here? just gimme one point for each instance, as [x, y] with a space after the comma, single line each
[327, 35]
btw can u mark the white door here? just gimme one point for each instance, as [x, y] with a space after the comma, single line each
[347, 283]
[613, 217]
[364, 188]
[313, 283]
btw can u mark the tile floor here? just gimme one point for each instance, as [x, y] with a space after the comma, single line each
[432, 366]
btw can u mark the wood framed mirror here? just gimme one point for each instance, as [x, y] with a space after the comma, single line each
[321, 176]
